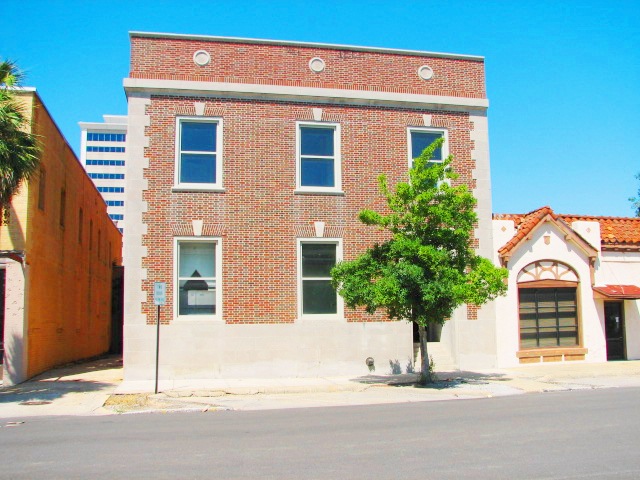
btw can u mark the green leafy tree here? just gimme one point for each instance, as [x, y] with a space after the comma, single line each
[19, 149]
[635, 201]
[428, 267]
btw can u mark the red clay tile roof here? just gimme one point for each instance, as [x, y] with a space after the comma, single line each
[524, 224]
[615, 232]
[619, 291]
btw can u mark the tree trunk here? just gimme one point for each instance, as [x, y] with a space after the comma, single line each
[426, 376]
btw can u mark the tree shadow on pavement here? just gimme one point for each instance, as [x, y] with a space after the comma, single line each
[445, 380]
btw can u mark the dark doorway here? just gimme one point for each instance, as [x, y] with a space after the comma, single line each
[117, 303]
[434, 331]
[614, 330]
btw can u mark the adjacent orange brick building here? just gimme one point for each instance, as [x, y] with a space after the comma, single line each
[58, 249]
[248, 162]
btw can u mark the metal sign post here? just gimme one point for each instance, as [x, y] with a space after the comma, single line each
[159, 298]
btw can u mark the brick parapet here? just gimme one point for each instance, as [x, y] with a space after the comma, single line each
[288, 65]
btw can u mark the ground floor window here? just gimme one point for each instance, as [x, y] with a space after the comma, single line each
[548, 317]
[316, 261]
[197, 277]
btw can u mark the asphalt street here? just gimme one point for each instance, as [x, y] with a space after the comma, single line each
[554, 435]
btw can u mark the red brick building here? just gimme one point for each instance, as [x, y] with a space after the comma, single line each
[248, 163]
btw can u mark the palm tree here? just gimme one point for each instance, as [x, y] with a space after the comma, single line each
[19, 149]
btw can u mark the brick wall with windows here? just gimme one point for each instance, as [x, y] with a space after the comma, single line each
[253, 169]
[259, 213]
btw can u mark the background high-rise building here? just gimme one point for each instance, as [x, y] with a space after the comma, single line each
[103, 155]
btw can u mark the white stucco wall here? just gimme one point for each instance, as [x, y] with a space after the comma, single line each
[556, 249]
[632, 328]
[618, 268]
[623, 268]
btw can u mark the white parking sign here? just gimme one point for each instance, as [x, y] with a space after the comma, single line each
[159, 293]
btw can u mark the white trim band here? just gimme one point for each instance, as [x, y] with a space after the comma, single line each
[302, 94]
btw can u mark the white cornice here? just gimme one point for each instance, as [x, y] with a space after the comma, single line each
[112, 127]
[303, 94]
[355, 48]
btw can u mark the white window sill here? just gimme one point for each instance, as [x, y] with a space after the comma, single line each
[318, 192]
[321, 318]
[203, 188]
[198, 319]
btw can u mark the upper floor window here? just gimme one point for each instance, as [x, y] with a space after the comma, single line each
[110, 163]
[421, 138]
[199, 153]
[107, 176]
[111, 189]
[106, 137]
[106, 149]
[318, 157]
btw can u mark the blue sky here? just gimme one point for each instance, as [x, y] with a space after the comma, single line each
[563, 78]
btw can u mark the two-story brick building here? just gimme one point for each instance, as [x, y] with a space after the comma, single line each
[248, 161]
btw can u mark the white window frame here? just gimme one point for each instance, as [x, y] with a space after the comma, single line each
[339, 315]
[176, 282]
[337, 161]
[445, 145]
[206, 187]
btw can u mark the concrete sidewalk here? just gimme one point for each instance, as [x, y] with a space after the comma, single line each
[96, 387]
[79, 388]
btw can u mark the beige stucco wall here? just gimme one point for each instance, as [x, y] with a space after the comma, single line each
[65, 277]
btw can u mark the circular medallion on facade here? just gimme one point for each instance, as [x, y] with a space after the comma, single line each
[425, 72]
[201, 58]
[316, 64]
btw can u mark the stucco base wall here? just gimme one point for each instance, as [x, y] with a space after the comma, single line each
[15, 325]
[471, 342]
[478, 340]
[202, 350]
